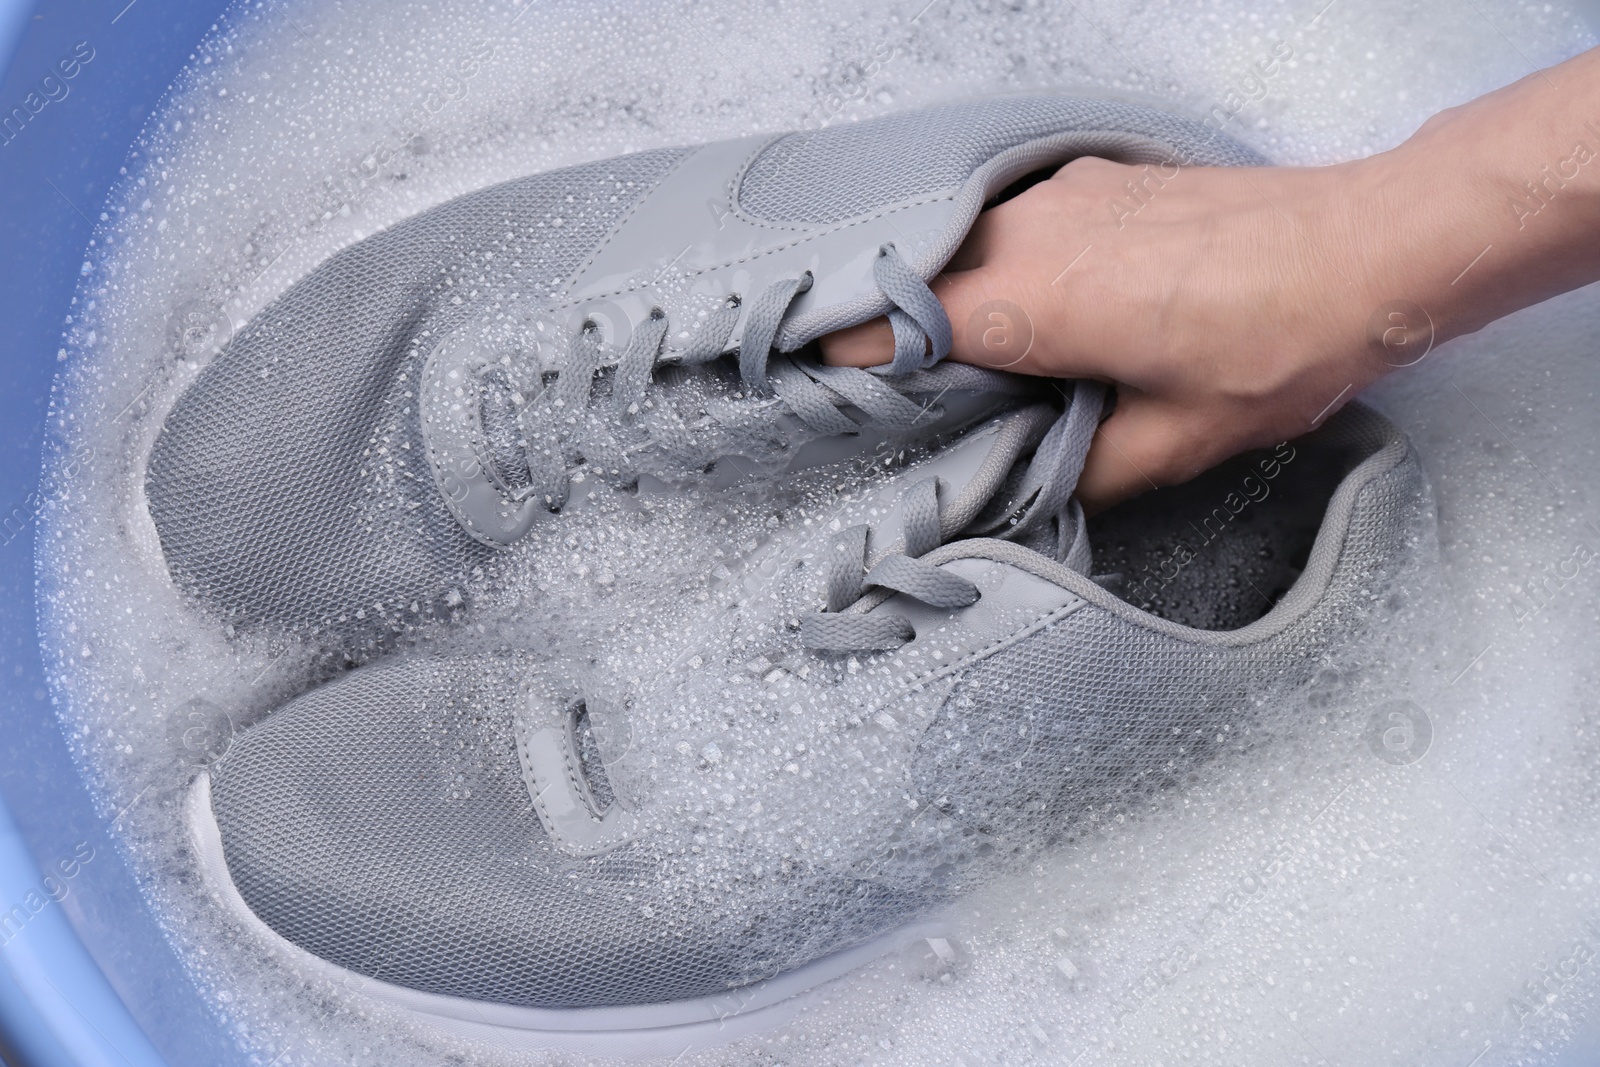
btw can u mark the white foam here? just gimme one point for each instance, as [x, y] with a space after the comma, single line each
[1309, 903]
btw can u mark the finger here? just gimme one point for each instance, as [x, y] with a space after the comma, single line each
[1003, 322]
[1090, 169]
[871, 344]
[977, 245]
[1145, 444]
[990, 324]
[866, 345]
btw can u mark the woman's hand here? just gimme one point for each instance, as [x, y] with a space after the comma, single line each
[1238, 307]
[1228, 305]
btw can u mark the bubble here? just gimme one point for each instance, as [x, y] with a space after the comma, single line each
[1290, 874]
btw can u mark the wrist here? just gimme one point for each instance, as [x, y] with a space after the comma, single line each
[1426, 216]
[1473, 217]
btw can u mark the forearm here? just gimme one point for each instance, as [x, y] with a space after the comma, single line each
[1491, 206]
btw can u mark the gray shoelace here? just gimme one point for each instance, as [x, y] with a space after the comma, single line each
[922, 334]
[1043, 509]
[563, 428]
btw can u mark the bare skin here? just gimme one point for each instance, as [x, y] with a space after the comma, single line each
[1238, 307]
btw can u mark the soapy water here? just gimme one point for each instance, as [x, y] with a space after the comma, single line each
[1398, 868]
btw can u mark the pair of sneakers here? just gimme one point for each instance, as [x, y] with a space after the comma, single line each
[738, 774]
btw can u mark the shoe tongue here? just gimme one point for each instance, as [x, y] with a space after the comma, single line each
[970, 473]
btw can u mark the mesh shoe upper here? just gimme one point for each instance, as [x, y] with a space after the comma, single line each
[291, 484]
[846, 170]
[1103, 706]
[382, 823]
[786, 804]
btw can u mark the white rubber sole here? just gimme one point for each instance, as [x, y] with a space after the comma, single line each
[646, 1030]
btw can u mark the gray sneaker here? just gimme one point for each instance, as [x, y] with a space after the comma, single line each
[699, 808]
[434, 392]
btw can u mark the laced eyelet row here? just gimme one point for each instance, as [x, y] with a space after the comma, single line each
[561, 434]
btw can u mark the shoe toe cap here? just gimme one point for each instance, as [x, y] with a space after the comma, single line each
[381, 822]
